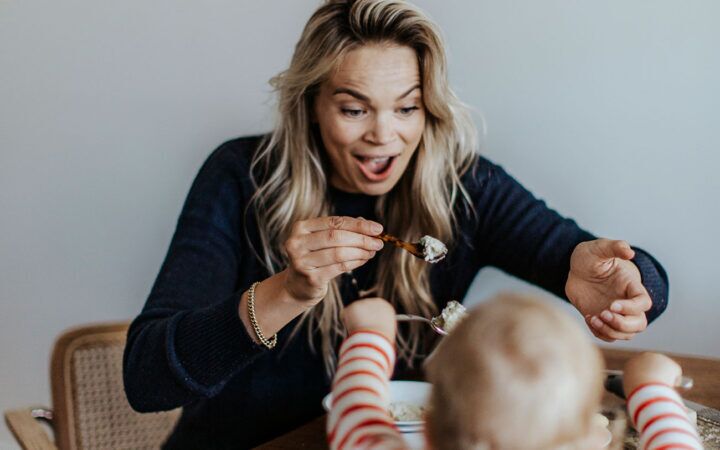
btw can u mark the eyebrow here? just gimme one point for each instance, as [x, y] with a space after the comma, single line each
[365, 98]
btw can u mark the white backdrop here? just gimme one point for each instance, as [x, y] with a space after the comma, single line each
[107, 109]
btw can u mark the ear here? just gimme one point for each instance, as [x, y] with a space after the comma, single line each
[426, 430]
[426, 436]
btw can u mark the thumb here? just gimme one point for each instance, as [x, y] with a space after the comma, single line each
[608, 248]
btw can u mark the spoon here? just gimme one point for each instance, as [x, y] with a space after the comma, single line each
[435, 323]
[428, 248]
[685, 382]
[614, 382]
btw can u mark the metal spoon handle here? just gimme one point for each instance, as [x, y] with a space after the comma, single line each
[399, 243]
[413, 318]
[410, 317]
[685, 382]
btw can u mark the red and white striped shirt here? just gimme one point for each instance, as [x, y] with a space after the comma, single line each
[359, 416]
[659, 415]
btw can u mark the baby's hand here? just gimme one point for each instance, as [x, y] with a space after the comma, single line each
[374, 314]
[650, 367]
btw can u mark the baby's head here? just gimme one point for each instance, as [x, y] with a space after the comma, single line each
[515, 374]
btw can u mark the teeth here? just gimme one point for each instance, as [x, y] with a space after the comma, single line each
[376, 160]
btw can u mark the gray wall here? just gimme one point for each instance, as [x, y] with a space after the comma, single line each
[107, 109]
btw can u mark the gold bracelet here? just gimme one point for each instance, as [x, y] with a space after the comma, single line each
[251, 313]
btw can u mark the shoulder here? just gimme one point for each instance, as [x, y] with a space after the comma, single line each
[231, 162]
[226, 171]
[235, 154]
[484, 174]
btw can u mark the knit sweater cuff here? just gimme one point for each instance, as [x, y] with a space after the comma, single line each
[206, 347]
[655, 281]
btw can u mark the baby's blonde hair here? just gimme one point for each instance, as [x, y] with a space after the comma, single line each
[515, 374]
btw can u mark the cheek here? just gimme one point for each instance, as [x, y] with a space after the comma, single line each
[413, 129]
[340, 133]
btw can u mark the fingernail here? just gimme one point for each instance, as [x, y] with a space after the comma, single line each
[617, 307]
[597, 323]
[376, 228]
[606, 315]
[378, 244]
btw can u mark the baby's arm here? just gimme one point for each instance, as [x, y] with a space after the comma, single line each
[359, 417]
[655, 408]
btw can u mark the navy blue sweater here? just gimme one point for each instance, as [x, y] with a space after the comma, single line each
[189, 348]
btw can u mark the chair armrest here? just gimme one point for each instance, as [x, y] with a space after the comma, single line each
[28, 431]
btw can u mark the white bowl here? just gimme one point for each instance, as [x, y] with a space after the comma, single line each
[416, 393]
[413, 392]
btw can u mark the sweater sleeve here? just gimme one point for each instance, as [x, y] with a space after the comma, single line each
[522, 236]
[659, 415]
[188, 340]
[359, 416]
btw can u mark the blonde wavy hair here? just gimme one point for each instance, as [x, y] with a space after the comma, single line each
[290, 169]
[530, 379]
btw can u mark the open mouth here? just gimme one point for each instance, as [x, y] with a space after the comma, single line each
[376, 168]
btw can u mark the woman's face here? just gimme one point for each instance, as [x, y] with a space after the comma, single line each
[371, 117]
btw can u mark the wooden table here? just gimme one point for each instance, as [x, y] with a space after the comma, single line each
[704, 371]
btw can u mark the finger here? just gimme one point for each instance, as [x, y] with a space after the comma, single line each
[602, 337]
[633, 306]
[624, 323]
[327, 273]
[608, 248]
[622, 250]
[330, 256]
[340, 238]
[635, 288]
[595, 332]
[362, 226]
[604, 331]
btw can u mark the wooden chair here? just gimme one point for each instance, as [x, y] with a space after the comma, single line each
[90, 410]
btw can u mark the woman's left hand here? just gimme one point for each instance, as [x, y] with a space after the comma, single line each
[605, 286]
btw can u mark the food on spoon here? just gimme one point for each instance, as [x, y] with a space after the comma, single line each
[428, 248]
[451, 315]
[600, 420]
[432, 249]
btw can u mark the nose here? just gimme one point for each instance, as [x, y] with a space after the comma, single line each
[382, 131]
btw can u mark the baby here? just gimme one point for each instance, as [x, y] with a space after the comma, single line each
[515, 374]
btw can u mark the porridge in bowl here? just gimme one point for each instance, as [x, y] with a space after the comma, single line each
[406, 412]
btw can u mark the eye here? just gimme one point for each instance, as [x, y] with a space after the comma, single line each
[409, 110]
[354, 113]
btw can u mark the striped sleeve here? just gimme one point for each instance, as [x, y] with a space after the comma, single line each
[659, 415]
[359, 417]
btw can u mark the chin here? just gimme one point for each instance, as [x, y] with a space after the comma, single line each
[376, 189]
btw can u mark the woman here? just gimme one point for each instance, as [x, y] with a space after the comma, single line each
[369, 136]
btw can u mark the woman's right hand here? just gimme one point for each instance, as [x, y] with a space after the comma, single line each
[322, 248]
